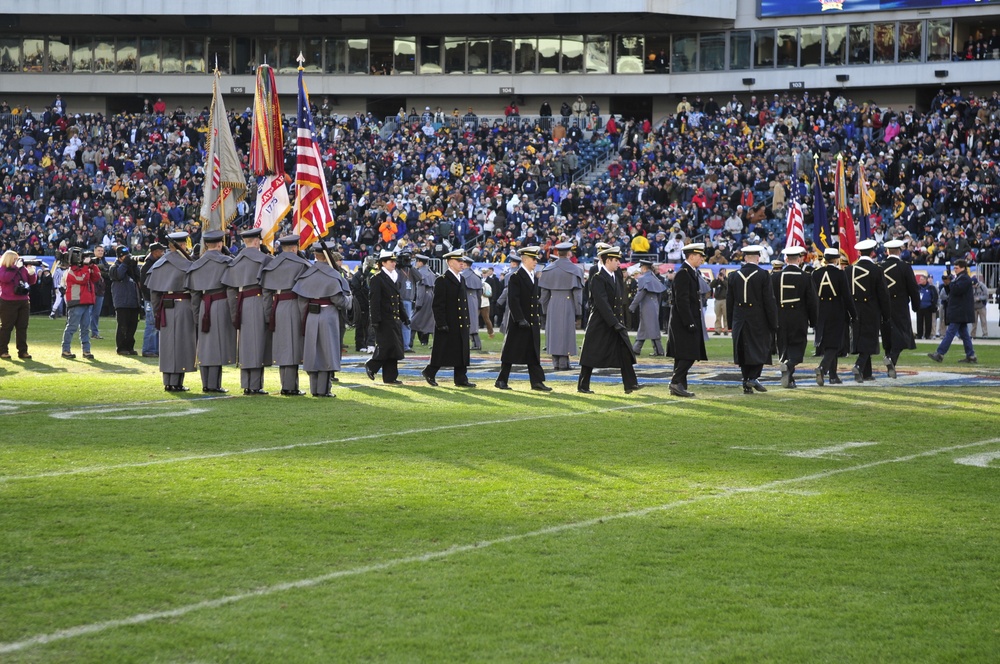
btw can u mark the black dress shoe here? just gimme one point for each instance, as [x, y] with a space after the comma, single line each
[541, 387]
[633, 388]
[293, 393]
[791, 384]
[168, 388]
[334, 379]
[584, 390]
[819, 376]
[465, 384]
[680, 391]
[327, 395]
[835, 380]
[755, 384]
[746, 387]
[392, 382]
[369, 373]
[249, 392]
[217, 390]
[501, 385]
[858, 378]
[430, 379]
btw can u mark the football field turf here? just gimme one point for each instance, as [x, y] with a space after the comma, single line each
[403, 524]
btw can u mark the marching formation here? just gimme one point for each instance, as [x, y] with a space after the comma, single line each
[258, 310]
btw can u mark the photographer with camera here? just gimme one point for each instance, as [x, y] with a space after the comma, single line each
[15, 278]
[125, 295]
[79, 282]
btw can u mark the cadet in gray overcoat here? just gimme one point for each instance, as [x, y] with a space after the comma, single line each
[247, 306]
[561, 299]
[285, 311]
[328, 296]
[216, 334]
[474, 288]
[172, 313]
[647, 303]
[423, 307]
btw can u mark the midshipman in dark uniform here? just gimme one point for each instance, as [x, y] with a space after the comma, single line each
[796, 300]
[452, 318]
[871, 301]
[523, 342]
[752, 313]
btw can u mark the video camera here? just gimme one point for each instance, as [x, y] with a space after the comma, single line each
[75, 256]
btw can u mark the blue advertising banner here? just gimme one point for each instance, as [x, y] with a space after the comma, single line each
[774, 8]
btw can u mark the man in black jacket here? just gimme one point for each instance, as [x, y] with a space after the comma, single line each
[522, 341]
[607, 343]
[750, 308]
[960, 312]
[686, 341]
[387, 317]
[871, 300]
[451, 319]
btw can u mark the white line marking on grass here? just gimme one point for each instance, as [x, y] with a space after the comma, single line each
[981, 460]
[99, 413]
[141, 618]
[49, 407]
[832, 451]
[320, 443]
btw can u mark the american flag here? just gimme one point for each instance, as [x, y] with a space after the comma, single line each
[312, 203]
[795, 235]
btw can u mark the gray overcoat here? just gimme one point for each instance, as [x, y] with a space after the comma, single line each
[217, 345]
[284, 316]
[321, 339]
[178, 338]
[423, 307]
[561, 299]
[647, 303]
[253, 339]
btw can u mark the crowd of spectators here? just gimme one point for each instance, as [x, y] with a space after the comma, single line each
[723, 173]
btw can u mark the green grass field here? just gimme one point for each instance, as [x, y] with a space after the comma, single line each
[851, 523]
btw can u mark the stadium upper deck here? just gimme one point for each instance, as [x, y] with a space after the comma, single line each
[632, 56]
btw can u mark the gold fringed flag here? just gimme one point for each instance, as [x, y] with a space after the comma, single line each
[267, 156]
[225, 185]
[848, 238]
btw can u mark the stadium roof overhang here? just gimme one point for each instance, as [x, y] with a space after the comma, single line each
[707, 9]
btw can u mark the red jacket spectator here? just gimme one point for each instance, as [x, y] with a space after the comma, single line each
[80, 280]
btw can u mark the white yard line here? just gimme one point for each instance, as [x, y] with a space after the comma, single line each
[141, 618]
[320, 443]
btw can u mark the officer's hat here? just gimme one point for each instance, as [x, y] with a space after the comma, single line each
[287, 240]
[611, 252]
[252, 232]
[213, 236]
[532, 252]
[694, 248]
[457, 255]
[866, 245]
